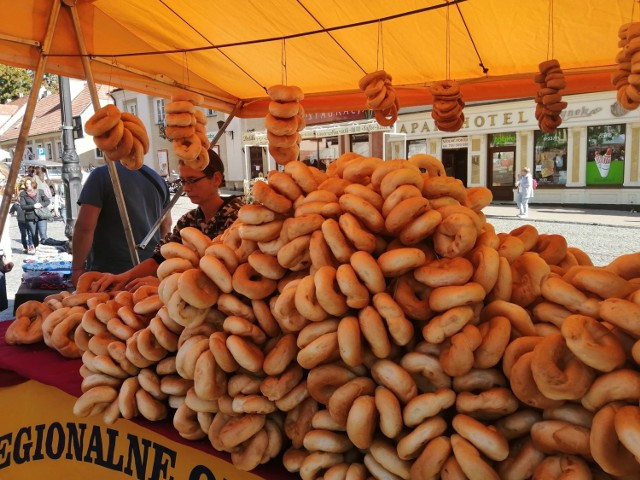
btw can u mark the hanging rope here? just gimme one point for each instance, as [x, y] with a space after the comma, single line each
[283, 62]
[485, 70]
[447, 47]
[186, 81]
[380, 49]
[550, 32]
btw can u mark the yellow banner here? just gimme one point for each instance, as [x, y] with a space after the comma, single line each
[40, 438]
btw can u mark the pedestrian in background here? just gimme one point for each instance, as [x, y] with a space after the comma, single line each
[31, 199]
[524, 186]
[25, 233]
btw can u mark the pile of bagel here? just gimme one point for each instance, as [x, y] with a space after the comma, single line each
[368, 321]
[283, 122]
[549, 104]
[120, 135]
[185, 127]
[626, 76]
[381, 97]
[447, 105]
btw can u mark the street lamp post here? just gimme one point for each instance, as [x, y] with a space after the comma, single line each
[71, 172]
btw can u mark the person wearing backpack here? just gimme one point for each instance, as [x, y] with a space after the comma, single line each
[524, 186]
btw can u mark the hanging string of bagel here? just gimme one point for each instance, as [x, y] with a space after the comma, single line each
[551, 81]
[378, 89]
[285, 118]
[121, 136]
[626, 76]
[447, 111]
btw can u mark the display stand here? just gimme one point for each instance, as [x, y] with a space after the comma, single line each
[41, 438]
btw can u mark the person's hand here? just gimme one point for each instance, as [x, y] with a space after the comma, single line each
[37, 205]
[109, 282]
[8, 267]
[136, 283]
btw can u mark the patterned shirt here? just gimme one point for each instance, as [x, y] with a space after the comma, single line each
[226, 215]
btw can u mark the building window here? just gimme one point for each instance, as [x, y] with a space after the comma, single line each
[99, 153]
[605, 155]
[159, 111]
[550, 157]
[132, 108]
[59, 145]
[415, 147]
[49, 151]
[211, 113]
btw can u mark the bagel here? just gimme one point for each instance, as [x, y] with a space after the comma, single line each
[103, 120]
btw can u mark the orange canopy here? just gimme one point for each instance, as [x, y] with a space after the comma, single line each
[232, 50]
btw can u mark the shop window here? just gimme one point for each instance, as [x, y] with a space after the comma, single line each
[605, 155]
[550, 157]
[415, 147]
[360, 144]
[328, 152]
[159, 111]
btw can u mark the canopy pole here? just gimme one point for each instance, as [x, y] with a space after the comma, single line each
[113, 172]
[28, 117]
[178, 194]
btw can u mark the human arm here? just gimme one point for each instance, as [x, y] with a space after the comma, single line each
[83, 232]
[126, 280]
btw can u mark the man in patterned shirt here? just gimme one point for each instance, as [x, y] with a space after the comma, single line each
[212, 216]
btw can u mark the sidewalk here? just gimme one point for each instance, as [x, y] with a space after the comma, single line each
[568, 214]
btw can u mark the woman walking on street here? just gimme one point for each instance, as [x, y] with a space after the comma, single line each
[524, 184]
[25, 234]
[31, 199]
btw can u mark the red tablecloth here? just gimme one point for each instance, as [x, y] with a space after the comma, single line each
[38, 362]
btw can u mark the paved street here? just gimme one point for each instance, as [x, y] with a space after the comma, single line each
[603, 234]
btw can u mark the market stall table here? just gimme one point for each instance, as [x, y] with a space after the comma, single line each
[24, 294]
[39, 434]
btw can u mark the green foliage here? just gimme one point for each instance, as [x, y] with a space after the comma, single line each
[15, 82]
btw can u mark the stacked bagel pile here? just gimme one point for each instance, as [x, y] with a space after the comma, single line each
[549, 104]
[447, 105]
[185, 127]
[381, 97]
[283, 122]
[626, 77]
[120, 135]
[368, 321]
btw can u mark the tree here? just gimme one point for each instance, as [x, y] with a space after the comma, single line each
[15, 82]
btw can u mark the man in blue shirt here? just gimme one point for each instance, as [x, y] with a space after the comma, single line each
[99, 242]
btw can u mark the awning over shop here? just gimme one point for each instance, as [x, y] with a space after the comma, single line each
[231, 51]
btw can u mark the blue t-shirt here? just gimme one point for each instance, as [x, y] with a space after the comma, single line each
[145, 196]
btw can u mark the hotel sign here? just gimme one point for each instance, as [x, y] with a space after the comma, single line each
[455, 142]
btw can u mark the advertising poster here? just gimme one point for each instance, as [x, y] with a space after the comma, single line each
[605, 155]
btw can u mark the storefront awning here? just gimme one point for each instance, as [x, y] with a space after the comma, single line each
[231, 51]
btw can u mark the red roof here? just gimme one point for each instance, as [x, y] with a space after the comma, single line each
[47, 117]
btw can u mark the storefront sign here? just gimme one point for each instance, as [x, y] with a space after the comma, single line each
[260, 138]
[335, 117]
[455, 142]
[40, 435]
[514, 116]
